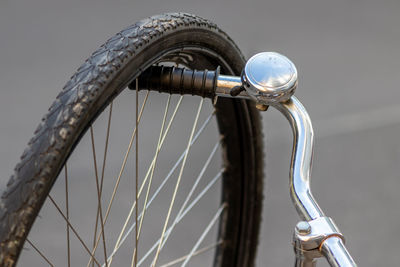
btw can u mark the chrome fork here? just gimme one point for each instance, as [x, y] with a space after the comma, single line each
[270, 79]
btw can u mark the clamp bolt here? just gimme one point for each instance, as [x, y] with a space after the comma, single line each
[303, 228]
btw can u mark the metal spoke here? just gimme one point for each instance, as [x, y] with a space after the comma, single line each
[122, 238]
[102, 172]
[134, 261]
[177, 218]
[121, 171]
[39, 252]
[178, 181]
[106, 147]
[154, 167]
[125, 159]
[195, 184]
[191, 205]
[201, 194]
[151, 167]
[198, 252]
[67, 213]
[198, 179]
[73, 230]
[98, 195]
[203, 235]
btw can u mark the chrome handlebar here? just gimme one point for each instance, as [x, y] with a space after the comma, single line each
[270, 79]
[300, 167]
[331, 245]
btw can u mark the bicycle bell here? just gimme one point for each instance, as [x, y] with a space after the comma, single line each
[269, 78]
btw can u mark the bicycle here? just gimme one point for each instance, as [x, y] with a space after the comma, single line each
[162, 54]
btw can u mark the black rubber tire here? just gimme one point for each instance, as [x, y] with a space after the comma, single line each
[101, 78]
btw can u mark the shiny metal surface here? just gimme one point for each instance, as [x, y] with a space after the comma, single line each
[336, 253]
[303, 228]
[269, 78]
[321, 229]
[225, 83]
[300, 167]
[303, 143]
[275, 87]
[300, 170]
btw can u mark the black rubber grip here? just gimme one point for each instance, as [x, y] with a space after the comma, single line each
[174, 80]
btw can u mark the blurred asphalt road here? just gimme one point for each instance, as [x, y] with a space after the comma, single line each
[347, 55]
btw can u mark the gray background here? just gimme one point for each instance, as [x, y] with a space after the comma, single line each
[348, 61]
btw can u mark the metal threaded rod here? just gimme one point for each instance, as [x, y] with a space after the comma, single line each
[174, 80]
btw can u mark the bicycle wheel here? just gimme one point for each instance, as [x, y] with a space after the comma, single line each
[179, 39]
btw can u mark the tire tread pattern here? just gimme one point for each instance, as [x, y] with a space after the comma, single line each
[21, 201]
